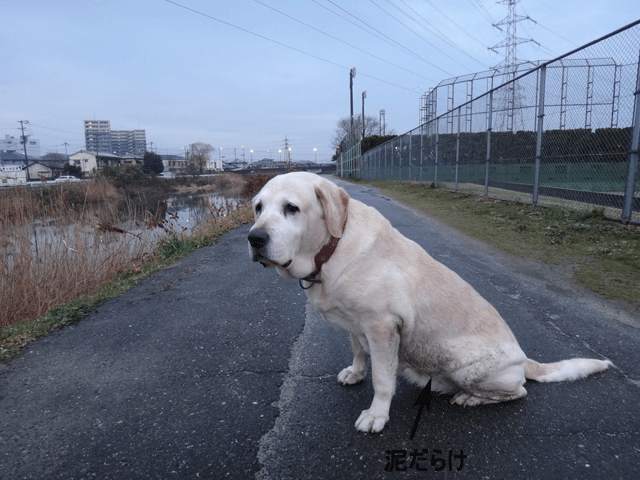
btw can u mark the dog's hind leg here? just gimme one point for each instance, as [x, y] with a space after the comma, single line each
[356, 372]
[501, 386]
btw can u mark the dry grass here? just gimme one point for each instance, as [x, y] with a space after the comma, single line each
[62, 242]
[67, 248]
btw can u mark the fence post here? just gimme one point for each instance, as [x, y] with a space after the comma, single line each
[410, 152]
[458, 148]
[633, 154]
[486, 171]
[385, 159]
[435, 173]
[536, 174]
[421, 150]
[400, 160]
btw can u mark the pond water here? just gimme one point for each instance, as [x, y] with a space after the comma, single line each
[191, 210]
[180, 213]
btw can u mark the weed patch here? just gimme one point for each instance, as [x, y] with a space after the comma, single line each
[60, 259]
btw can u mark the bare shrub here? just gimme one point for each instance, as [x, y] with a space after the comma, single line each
[254, 183]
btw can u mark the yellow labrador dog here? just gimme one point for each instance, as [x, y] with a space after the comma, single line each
[408, 312]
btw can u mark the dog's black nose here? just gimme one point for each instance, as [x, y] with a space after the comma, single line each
[258, 237]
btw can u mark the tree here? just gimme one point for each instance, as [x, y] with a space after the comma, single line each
[343, 128]
[152, 163]
[69, 169]
[199, 156]
[55, 156]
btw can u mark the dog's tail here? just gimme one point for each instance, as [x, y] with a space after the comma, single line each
[565, 370]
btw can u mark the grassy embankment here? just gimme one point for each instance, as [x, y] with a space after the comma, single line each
[93, 243]
[605, 255]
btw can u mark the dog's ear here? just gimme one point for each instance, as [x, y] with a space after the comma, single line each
[335, 203]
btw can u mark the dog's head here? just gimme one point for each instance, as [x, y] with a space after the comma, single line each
[296, 214]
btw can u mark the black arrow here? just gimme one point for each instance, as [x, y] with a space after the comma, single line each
[424, 400]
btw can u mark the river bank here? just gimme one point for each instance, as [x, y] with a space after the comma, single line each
[97, 242]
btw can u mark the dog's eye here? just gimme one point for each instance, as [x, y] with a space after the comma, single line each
[258, 208]
[290, 208]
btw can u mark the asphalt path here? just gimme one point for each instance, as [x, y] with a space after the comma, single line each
[217, 368]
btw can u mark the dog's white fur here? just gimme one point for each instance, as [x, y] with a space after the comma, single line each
[408, 312]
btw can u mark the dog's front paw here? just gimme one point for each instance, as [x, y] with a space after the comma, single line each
[349, 376]
[371, 423]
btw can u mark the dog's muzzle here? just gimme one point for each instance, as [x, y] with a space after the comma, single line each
[258, 239]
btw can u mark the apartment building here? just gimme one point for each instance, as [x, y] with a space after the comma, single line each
[12, 144]
[100, 138]
[128, 142]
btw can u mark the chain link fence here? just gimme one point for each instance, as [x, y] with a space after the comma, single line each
[564, 133]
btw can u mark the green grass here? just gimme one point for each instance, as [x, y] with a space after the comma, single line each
[604, 253]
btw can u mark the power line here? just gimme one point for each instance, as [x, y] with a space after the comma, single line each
[285, 45]
[431, 27]
[420, 36]
[550, 31]
[341, 41]
[55, 129]
[455, 23]
[477, 4]
[388, 40]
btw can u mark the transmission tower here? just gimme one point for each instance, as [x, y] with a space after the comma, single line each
[509, 99]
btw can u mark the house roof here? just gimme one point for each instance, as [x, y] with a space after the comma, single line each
[52, 163]
[11, 157]
[99, 154]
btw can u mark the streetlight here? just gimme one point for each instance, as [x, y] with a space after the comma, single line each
[251, 155]
[280, 152]
[364, 95]
[315, 152]
[352, 74]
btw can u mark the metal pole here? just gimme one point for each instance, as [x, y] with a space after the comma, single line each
[458, 148]
[633, 154]
[410, 153]
[435, 174]
[421, 149]
[364, 95]
[536, 175]
[486, 171]
[352, 73]
[400, 161]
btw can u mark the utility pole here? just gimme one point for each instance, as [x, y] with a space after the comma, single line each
[352, 74]
[364, 95]
[24, 145]
[65, 150]
[383, 122]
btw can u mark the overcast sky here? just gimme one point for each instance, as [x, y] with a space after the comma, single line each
[237, 73]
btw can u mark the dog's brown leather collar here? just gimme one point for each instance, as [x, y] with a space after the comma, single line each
[320, 259]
